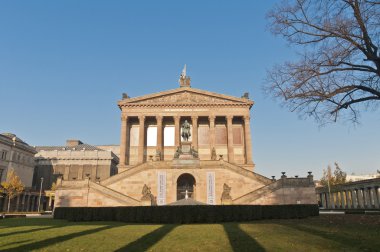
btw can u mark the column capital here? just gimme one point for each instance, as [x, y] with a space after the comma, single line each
[159, 118]
[194, 117]
[246, 118]
[176, 118]
[229, 117]
[141, 118]
[211, 118]
[124, 117]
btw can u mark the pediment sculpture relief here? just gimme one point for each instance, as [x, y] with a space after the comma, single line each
[185, 97]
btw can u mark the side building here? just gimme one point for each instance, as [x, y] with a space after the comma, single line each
[18, 156]
[74, 161]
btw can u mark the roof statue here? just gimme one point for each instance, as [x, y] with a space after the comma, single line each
[183, 74]
[184, 81]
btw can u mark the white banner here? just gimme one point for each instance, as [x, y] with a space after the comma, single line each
[211, 188]
[161, 188]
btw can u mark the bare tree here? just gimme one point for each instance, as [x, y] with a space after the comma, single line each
[338, 70]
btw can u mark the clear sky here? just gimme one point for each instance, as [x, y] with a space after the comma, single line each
[65, 64]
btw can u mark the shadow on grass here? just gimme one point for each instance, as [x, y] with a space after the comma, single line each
[341, 238]
[148, 240]
[239, 239]
[27, 231]
[45, 243]
[16, 242]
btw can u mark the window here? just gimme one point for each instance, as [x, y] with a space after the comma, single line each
[134, 135]
[4, 155]
[151, 136]
[1, 173]
[237, 136]
[203, 135]
[169, 133]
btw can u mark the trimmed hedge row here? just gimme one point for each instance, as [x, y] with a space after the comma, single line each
[186, 214]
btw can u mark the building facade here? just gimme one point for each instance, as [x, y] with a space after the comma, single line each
[75, 161]
[18, 156]
[185, 143]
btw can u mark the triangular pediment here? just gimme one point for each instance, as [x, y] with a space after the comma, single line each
[186, 95]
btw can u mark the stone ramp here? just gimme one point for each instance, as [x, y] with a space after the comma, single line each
[246, 173]
[125, 174]
[122, 198]
[258, 193]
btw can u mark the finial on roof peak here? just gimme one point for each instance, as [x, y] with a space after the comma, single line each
[184, 81]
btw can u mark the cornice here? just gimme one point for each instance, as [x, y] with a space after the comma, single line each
[183, 105]
[215, 99]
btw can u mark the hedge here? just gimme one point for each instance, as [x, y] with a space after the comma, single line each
[186, 214]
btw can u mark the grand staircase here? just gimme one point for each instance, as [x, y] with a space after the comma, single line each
[103, 186]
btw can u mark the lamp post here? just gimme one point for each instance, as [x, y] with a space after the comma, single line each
[39, 199]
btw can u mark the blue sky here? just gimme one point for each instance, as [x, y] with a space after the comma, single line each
[65, 64]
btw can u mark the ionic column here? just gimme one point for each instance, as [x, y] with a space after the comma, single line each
[348, 199]
[17, 203]
[342, 200]
[360, 198]
[177, 131]
[194, 121]
[28, 203]
[322, 197]
[326, 201]
[123, 140]
[33, 203]
[230, 141]
[334, 200]
[23, 202]
[369, 197]
[355, 203]
[159, 134]
[248, 142]
[365, 198]
[212, 131]
[141, 139]
[376, 197]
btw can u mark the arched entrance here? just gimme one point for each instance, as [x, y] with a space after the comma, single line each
[185, 182]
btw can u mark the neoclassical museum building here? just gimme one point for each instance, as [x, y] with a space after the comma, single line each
[185, 146]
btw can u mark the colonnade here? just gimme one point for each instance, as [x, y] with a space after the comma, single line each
[177, 139]
[362, 196]
[25, 202]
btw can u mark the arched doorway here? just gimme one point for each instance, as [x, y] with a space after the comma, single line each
[185, 182]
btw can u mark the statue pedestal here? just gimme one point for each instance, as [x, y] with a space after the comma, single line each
[186, 156]
[146, 202]
[186, 151]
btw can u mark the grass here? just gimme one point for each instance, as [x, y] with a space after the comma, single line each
[324, 233]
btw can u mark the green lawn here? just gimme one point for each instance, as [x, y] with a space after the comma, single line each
[324, 233]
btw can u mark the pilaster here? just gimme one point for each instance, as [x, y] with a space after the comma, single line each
[211, 119]
[123, 140]
[230, 140]
[141, 139]
[177, 131]
[159, 133]
[194, 121]
[248, 142]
